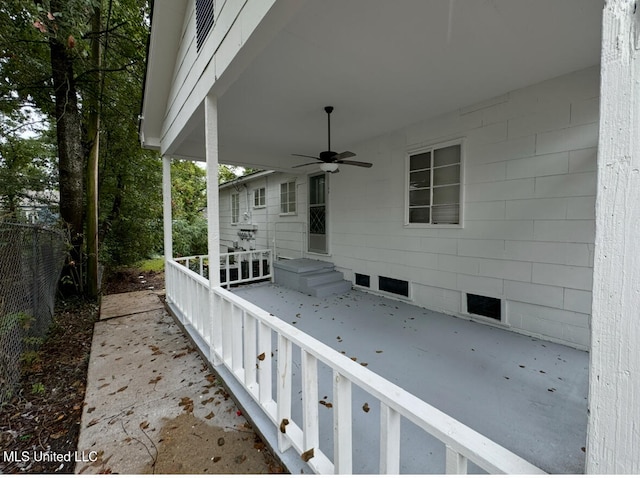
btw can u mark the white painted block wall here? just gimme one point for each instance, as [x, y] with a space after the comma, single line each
[529, 210]
[529, 217]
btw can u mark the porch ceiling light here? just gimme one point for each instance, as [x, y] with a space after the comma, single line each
[329, 167]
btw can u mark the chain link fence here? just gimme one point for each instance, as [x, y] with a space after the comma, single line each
[31, 260]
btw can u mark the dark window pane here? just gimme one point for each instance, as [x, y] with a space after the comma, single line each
[446, 195]
[445, 156]
[446, 175]
[420, 161]
[420, 179]
[419, 215]
[420, 197]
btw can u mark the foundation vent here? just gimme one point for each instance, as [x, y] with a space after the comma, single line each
[395, 286]
[484, 306]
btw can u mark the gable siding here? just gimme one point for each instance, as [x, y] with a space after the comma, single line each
[528, 234]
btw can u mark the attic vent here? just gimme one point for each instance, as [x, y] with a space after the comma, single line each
[485, 306]
[363, 280]
[395, 286]
[204, 20]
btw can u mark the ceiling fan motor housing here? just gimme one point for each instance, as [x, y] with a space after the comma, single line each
[327, 156]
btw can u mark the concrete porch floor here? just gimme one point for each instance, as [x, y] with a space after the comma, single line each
[526, 394]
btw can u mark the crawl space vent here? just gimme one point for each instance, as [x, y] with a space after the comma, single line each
[395, 286]
[363, 280]
[485, 306]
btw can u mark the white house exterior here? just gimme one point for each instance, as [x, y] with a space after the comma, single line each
[529, 109]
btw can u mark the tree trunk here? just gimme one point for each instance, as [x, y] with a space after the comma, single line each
[70, 151]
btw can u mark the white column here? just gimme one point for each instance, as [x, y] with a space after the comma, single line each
[211, 153]
[613, 442]
[166, 207]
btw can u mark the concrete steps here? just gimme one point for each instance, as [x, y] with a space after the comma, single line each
[316, 278]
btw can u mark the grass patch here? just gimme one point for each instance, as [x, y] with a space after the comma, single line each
[151, 265]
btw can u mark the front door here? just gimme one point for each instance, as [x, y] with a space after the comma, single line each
[318, 213]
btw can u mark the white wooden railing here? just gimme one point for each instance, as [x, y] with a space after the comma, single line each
[236, 267]
[239, 336]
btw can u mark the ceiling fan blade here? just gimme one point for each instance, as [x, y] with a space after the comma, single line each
[344, 155]
[306, 156]
[307, 164]
[362, 164]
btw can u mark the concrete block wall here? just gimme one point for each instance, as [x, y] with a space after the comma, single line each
[529, 210]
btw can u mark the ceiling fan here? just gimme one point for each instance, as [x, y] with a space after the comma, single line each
[330, 160]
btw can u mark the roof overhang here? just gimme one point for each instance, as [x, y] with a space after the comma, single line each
[382, 65]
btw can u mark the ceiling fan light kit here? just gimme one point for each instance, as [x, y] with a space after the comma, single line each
[330, 160]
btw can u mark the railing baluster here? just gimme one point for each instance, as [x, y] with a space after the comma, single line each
[310, 401]
[389, 440]
[227, 315]
[215, 316]
[250, 355]
[236, 341]
[456, 464]
[264, 363]
[284, 390]
[342, 439]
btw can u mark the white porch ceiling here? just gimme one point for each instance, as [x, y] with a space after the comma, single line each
[387, 64]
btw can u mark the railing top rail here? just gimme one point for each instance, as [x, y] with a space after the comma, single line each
[479, 449]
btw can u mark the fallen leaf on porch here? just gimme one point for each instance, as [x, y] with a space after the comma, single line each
[240, 459]
[366, 408]
[182, 354]
[156, 350]
[261, 356]
[507, 378]
[298, 315]
[326, 404]
[307, 455]
[155, 380]
[208, 400]
[583, 449]
[144, 425]
[355, 359]
[216, 459]
[283, 425]
[551, 389]
[542, 371]
[211, 378]
[210, 416]
[220, 441]
[521, 366]
[187, 404]
[93, 422]
[364, 364]
[378, 351]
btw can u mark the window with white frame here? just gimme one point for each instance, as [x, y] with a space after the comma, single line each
[235, 208]
[288, 197]
[259, 197]
[434, 185]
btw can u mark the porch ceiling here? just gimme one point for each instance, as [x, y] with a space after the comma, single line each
[384, 65]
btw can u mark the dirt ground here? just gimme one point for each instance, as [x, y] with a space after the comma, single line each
[44, 415]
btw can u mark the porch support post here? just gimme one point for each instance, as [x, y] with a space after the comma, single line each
[211, 154]
[213, 227]
[613, 443]
[166, 207]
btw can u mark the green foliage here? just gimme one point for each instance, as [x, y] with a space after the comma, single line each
[16, 319]
[190, 237]
[155, 264]
[38, 388]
